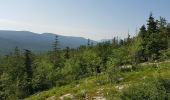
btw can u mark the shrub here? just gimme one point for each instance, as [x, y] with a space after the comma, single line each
[82, 94]
[150, 90]
[101, 80]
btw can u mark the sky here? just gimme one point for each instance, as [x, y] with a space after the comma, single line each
[94, 19]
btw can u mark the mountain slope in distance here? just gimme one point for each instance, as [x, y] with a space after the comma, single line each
[36, 42]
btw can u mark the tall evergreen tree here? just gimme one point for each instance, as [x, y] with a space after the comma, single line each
[121, 42]
[114, 42]
[67, 53]
[162, 23]
[128, 39]
[143, 32]
[142, 55]
[17, 52]
[88, 42]
[167, 31]
[156, 38]
[56, 45]
[28, 72]
[56, 53]
[152, 24]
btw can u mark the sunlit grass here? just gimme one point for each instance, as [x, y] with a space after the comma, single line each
[92, 85]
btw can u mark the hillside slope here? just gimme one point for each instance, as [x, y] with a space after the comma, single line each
[36, 42]
[96, 88]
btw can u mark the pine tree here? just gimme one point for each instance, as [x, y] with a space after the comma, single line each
[157, 40]
[152, 24]
[150, 37]
[67, 53]
[56, 45]
[162, 23]
[121, 42]
[114, 42]
[128, 39]
[17, 52]
[88, 42]
[143, 32]
[167, 31]
[28, 72]
[56, 53]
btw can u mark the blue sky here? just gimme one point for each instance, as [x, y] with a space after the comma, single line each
[95, 19]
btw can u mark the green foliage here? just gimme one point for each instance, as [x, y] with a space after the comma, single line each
[113, 72]
[82, 94]
[25, 73]
[89, 87]
[165, 82]
[56, 55]
[28, 73]
[41, 76]
[149, 90]
[67, 53]
[102, 79]
[154, 39]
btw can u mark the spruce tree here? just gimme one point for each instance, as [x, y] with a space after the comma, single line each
[128, 39]
[67, 53]
[17, 52]
[157, 40]
[143, 32]
[162, 24]
[56, 45]
[152, 24]
[28, 72]
[56, 53]
[142, 55]
[88, 42]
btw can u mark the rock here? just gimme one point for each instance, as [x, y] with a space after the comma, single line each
[51, 98]
[78, 85]
[120, 79]
[120, 87]
[98, 98]
[68, 95]
[126, 67]
[101, 89]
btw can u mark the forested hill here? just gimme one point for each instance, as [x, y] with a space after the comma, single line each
[36, 42]
[136, 68]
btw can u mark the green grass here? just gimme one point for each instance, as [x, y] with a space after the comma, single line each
[92, 85]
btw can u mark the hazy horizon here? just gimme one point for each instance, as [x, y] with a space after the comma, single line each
[94, 19]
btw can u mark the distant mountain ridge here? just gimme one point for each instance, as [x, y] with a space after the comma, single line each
[36, 42]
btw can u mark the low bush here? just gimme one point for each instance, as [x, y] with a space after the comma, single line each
[149, 90]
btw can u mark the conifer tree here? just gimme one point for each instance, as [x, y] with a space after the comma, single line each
[56, 53]
[152, 25]
[156, 40]
[28, 72]
[67, 53]
[142, 56]
[88, 42]
[143, 32]
[162, 23]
